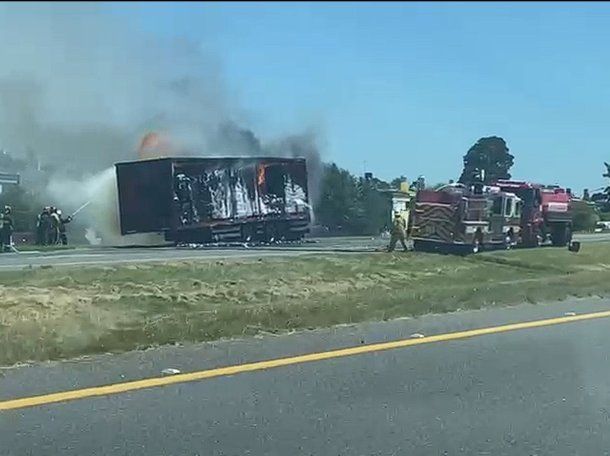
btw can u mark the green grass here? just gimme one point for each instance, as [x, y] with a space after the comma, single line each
[61, 313]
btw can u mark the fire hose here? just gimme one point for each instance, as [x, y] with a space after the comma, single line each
[80, 209]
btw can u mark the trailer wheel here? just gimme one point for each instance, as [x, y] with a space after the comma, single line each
[248, 232]
[271, 233]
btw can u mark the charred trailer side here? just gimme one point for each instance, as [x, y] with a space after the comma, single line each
[204, 200]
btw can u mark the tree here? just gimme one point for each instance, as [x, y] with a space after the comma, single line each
[490, 155]
[373, 207]
[584, 216]
[351, 205]
[336, 207]
[395, 183]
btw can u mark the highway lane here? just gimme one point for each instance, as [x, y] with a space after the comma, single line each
[94, 257]
[109, 255]
[91, 256]
[597, 237]
[538, 391]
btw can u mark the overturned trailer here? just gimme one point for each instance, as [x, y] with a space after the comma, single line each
[204, 200]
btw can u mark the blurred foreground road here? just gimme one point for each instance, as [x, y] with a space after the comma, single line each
[102, 256]
[538, 391]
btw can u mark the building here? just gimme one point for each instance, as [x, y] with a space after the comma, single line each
[400, 201]
[8, 179]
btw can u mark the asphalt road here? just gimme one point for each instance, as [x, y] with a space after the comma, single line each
[89, 256]
[97, 255]
[537, 391]
[83, 257]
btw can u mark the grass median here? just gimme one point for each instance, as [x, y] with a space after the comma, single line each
[56, 313]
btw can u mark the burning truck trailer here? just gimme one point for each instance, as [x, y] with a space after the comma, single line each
[212, 200]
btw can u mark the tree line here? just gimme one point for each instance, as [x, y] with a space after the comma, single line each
[355, 205]
[352, 205]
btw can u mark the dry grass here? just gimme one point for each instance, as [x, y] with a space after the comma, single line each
[62, 313]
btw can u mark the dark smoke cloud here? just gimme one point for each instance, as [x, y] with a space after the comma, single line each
[303, 145]
[234, 140]
[80, 87]
[231, 139]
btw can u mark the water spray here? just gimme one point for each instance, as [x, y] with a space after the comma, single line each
[80, 209]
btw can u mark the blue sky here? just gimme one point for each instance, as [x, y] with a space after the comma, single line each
[409, 87]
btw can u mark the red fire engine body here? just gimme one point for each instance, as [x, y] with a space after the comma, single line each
[546, 213]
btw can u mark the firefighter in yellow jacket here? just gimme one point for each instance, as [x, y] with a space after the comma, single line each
[399, 228]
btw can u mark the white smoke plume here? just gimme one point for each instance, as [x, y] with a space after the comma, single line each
[102, 218]
[80, 87]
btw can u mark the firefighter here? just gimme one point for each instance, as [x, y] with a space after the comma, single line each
[398, 232]
[63, 238]
[54, 223]
[6, 232]
[184, 197]
[42, 226]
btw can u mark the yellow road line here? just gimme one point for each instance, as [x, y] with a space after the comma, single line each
[118, 388]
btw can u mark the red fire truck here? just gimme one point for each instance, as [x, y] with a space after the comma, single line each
[455, 218]
[546, 214]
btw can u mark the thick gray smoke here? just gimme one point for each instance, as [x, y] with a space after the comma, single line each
[231, 139]
[80, 87]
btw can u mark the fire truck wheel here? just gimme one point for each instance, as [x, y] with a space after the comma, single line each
[509, 240]
[477, 243]
[537, 240]
[476, 246]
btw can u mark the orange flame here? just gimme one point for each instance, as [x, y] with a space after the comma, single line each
[154, 145]
[261, 175]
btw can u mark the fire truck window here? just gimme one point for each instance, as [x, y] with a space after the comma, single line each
[537, 198]
[518, 206]
[508, 207]
[496, 207]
